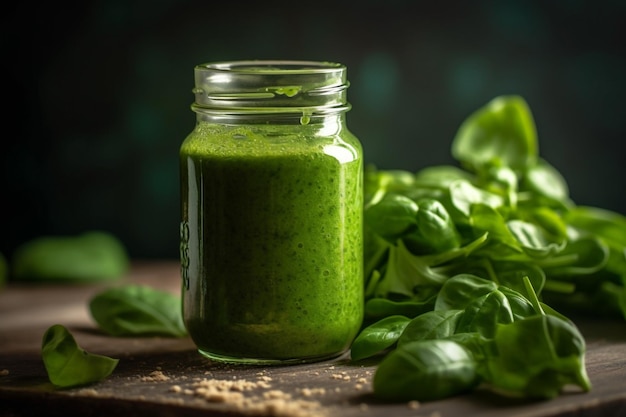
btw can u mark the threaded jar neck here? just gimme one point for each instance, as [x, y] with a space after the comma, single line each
[224, 89]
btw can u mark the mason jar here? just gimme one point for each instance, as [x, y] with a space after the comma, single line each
[271, 200]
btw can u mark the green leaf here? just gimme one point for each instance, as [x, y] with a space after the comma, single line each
[377, 183]
[485, 219]
[460, 290]
[392, 216]
[587, 254]
[483, 314]
[476, 344]
[92, 256]
[606, 225]
[547, 218]
[440, 177]
[431, 325]
[375, 253]
[378, 336]
[425, 370]
[546, 181]
[435, 226]
[409, 275]
[521, 307]
[485, 304]
[377, 308]
[605, 299]
[537, 357]
[135, 310]
[502, 132]
[503, 181]
[506, 273]
[372, 281]
[67, 364]
[459, 254]
[465, 196]
[418, 277]
[533, 240]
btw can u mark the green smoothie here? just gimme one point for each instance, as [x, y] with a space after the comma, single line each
[271, 241]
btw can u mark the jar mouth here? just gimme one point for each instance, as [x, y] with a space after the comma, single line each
[270, 86]
[274, 66]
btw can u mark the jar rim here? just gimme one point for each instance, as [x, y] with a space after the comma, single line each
[262, 66]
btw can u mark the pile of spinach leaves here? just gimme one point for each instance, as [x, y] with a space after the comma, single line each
[466, 267]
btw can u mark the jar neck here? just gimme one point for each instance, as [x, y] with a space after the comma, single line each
[278, 118]
[277, 92]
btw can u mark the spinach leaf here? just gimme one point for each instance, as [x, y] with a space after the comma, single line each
[479, 347]
[587, 255]
[547, 183]
[508, 274]
[418, 277]
[378, 336]
[502, 243]
[136, 310]
[606, 225]
[435, 227]
[67, 364]
[392, 216]
[438, 324]
[602, 300]
[483, 314]
[377, 308]
[91, 256]
[372, 280]
[425, 370]
[440, 177]
[602, 223]
[409, 275]
[464, 195]
[537, 356]
[376, 250]
[460, 290]
[501, 132]
[378, 183]
[485, 303]
[501, 180]
[533, 240]
[550, 220]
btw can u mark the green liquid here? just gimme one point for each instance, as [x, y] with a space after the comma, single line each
[272, 261]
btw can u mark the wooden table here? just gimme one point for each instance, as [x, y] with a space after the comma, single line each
[167, 377]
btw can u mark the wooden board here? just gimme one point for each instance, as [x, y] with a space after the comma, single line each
[167, 377]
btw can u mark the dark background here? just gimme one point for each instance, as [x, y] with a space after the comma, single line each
[96, 94]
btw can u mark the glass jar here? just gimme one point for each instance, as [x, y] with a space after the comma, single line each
[271, 230]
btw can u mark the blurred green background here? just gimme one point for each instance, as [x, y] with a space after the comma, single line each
[99, 94]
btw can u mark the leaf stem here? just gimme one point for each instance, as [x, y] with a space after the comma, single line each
[532, 296]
